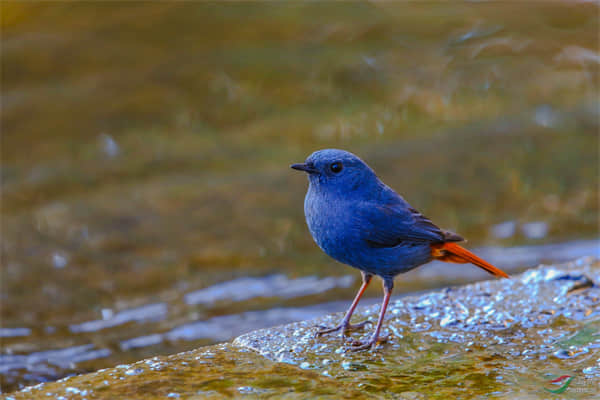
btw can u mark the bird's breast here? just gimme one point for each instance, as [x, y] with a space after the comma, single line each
[330, 223]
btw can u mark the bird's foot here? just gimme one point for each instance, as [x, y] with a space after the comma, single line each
[344, 327]
[357, 345]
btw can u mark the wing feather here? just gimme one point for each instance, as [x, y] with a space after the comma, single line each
[392, 224]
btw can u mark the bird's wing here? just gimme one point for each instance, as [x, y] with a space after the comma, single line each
[391, 224]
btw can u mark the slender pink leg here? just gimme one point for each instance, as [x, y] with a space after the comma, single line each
[387, 293]
[345, 325]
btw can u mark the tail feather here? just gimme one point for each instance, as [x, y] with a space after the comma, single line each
[451, 252]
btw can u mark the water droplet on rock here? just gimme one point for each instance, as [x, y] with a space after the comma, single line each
[134, 371]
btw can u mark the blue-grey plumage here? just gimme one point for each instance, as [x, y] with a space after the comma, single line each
[358, 220]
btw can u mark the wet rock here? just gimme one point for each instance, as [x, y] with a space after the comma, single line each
[512, 337]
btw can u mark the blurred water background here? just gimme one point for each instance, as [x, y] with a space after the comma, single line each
[147, 203]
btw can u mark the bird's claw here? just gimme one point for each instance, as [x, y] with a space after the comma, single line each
[344, 327]
[357, 345]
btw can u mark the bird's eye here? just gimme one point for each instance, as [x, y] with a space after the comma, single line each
[336, 167]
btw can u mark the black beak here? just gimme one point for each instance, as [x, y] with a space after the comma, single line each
[304, 167]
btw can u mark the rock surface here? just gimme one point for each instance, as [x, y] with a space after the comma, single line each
[504, 338]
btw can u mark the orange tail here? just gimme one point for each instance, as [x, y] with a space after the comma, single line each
[451, 252]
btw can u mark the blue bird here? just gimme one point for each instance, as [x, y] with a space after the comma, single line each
[359, 221]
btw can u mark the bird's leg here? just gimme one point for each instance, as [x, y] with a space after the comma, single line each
[388, 285]
[345, 325]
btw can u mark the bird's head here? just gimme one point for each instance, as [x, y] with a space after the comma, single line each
[336, 170]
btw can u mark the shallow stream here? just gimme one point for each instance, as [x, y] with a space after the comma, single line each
[148, 207]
